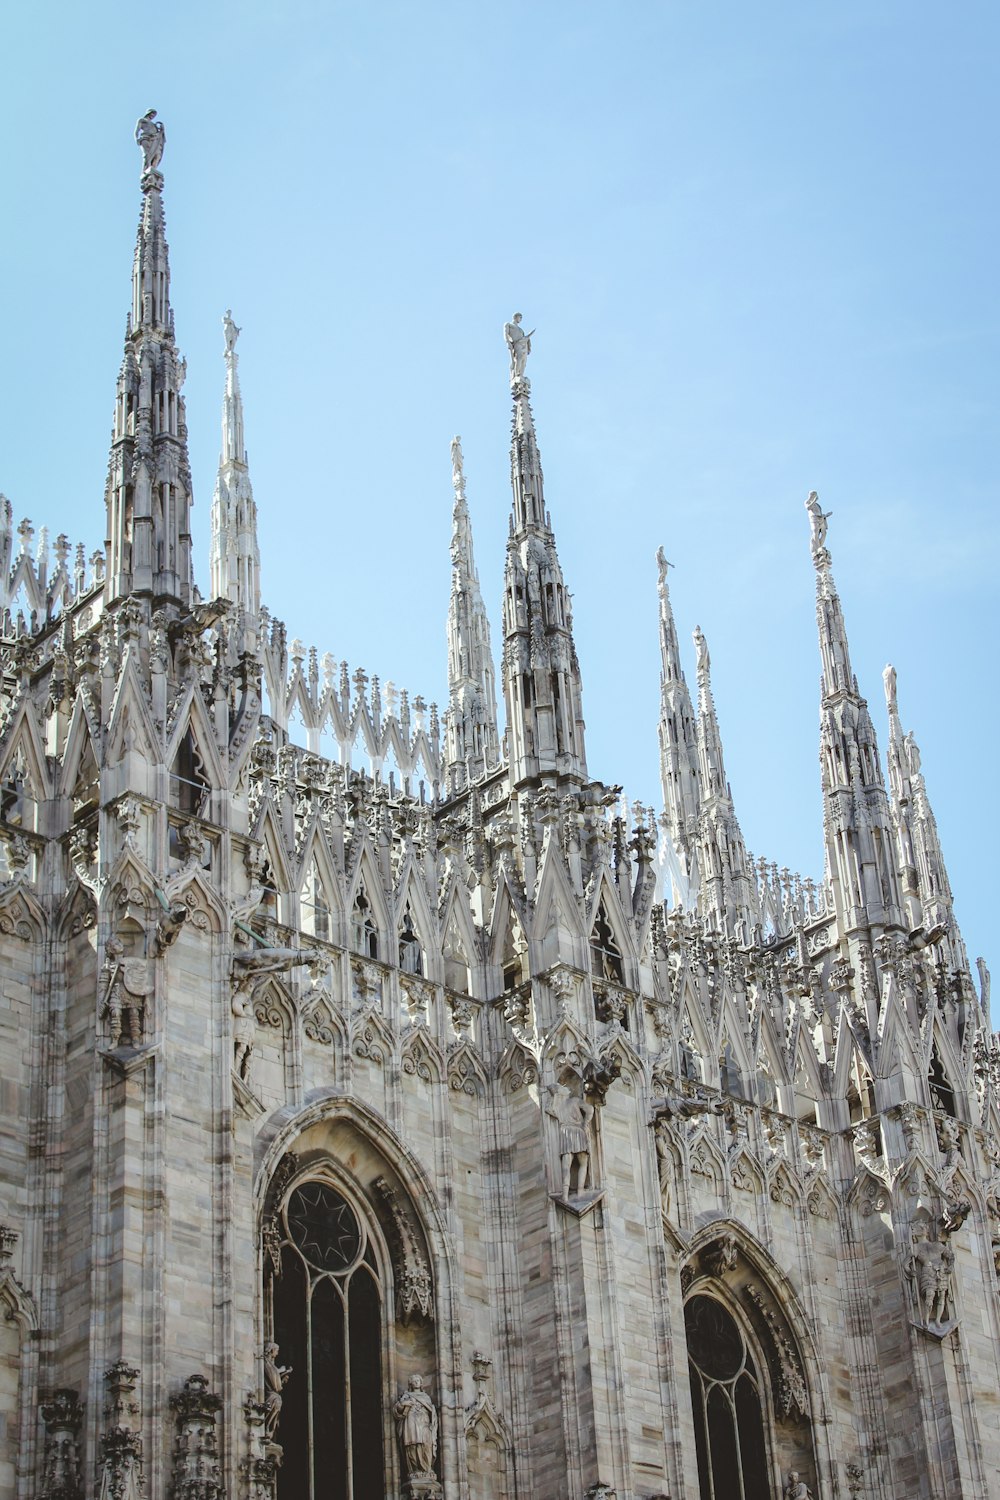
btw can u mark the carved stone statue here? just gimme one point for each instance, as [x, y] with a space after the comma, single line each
[275, 1380]
[518, 345]
[129, 985]
[230, 331]
[151, 138]
[417, 1428]
[889, 682]
[930, 1268]
[702, 659]
[796, 1488]
[457, 461]
[574, 1116]
[249, 969]
[817, 520]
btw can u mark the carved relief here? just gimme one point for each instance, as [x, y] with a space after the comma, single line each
[789, 1384]
[411, 1272]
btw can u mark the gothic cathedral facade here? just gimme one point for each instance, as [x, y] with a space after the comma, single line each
[391, 1111]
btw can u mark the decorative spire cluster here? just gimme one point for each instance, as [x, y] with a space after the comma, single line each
[235, 556]
[679, 773]
[856, 818]
[471, 736]
[923, 878]
[541, 672]
[148, 495]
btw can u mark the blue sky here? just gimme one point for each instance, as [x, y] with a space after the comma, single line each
[759, 247]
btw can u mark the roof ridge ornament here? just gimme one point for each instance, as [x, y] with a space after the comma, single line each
[151, 138]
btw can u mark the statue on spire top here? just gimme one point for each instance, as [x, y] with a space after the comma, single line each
[230, 331]
[518, 345]
[818, 518]
[151, 138]
[457, 466]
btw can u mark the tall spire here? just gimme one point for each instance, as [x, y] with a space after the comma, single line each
[926, 889]
[856, 817]
[727, 895]
[472, 743]
[679, 772]
[541, 673]
[235, 557]
[148, 494]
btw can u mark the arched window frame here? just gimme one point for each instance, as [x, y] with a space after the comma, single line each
[327, 1172]
[716, 1291]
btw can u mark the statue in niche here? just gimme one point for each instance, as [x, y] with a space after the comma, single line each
[574, 1115]
[930, 1269]
[151, 138]
[818, 518]
[518, 345]
[275, 1380]
[129, 985]
[417, 1428]
[796, 1488]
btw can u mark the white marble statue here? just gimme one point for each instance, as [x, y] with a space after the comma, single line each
[574, 1115]
[519, 346]
[151, 138]
[702, 659]
[817, 520]
[796, 1488]
[417, 1427]
[230, 331]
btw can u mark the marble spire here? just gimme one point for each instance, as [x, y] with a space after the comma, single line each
[235, 557]
[679, 772]
[148, 494]
[923, 878]
[541, 672]
[856, 817]
[727, 888]
[472, 744]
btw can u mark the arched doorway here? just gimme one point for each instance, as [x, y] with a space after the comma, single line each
[728, 1404]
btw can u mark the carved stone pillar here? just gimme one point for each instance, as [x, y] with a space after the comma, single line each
[121, 1476]
[61, 1466]
[195, 1473]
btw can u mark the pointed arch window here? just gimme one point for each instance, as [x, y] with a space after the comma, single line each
[325, 1313]
[515, 954]
[730, 1077]
[942, 1093]
[411, 957]
[188, 782]
[16, 805]
[364, 932]
[728, 1406]
[315, 906]
[605, 954]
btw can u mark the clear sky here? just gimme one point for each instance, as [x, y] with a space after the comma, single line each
[758, 243]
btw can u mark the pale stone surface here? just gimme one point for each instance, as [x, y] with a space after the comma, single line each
[566, 1113]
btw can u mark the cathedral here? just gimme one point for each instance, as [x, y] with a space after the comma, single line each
[391, 1111]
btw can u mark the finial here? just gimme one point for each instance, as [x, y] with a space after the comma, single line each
[518, 345]
[457, 467]
[817, 520]
[230, 331]
[151, 138]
